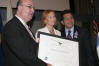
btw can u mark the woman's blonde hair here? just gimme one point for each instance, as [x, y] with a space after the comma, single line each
[44, 15]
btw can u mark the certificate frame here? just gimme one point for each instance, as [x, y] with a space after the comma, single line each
[57, 62]
[39, 32]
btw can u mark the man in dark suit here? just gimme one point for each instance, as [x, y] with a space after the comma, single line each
[19, 46]
[72, 32]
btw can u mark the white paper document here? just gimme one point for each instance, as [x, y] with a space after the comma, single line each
[58, 51]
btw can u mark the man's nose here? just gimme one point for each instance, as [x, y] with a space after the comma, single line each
[32, 9]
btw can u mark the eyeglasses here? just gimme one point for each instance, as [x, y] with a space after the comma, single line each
[29, 6]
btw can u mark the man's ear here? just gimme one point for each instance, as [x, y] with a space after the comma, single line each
[62, 22]
[19, 7]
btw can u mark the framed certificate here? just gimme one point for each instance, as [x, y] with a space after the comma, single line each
[58, 51]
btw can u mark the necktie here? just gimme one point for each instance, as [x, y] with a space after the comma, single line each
[69, 36]
[29, 31]
[32, 33]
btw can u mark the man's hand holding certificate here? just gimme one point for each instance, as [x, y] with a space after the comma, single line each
[58, 51]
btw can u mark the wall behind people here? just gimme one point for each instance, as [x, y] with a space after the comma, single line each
[42, 4]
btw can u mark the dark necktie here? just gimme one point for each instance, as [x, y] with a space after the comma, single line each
[32, 33]
[29, 31]
[69, 36]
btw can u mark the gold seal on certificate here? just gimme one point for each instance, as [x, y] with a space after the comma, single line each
[58, 51]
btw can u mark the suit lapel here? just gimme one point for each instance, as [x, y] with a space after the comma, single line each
[75, 34]
[22, 27]
[63, 34]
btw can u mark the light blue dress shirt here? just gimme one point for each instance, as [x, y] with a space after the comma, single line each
[72, 31]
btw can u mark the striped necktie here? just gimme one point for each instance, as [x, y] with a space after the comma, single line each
[29, 31]
[69, 36]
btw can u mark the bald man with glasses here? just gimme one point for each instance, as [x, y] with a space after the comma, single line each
[19, 46]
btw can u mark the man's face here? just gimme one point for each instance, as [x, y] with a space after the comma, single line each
[27, 10]
[68, 20]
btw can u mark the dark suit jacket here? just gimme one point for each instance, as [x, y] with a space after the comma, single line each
[18, 47]
[85, 52]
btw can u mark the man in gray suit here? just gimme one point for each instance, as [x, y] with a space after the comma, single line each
[19, 46]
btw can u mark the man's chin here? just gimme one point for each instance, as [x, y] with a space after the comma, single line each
[30, 18]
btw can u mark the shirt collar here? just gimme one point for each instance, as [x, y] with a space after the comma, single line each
[72, 31]
[21, 20]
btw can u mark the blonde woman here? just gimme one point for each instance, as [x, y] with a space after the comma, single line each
[48, 23]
